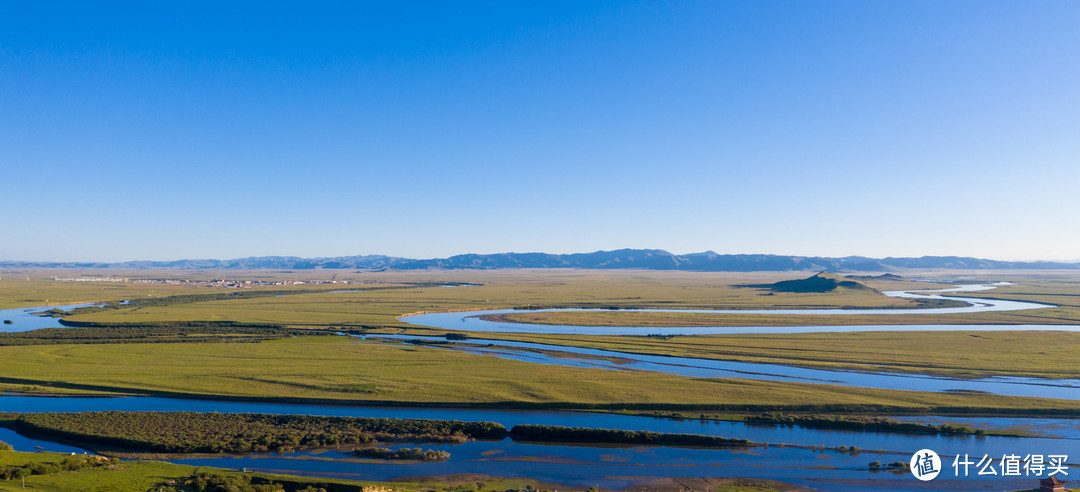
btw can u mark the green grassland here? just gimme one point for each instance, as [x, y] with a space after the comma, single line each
[503, 289]
[570, 288]
[31, 389]
[328, 368]
[341, 370]
[42, 290]
[1056, 316]
[962, 354]
[140, 476]
[37, 287]
[1065, 295]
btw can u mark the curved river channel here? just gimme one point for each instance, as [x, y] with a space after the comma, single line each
[788, 458]
[699, 367]
[473, 321]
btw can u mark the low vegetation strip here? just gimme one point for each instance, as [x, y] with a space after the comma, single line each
[224, 296]
[555, 433]
[193, 432]
[225, 332]
[413, 454]
[71, 463]
[854, 422]
[167, 324]
[230, 483]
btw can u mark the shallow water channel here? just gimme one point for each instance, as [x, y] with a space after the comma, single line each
[609, 466]
[473, 321]
[787, 458]
[1068, 389]
[24, 319]
[698, 367]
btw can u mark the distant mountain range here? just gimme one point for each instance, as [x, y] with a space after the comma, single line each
[651, 259]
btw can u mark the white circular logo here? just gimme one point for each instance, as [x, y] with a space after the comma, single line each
[925, 464]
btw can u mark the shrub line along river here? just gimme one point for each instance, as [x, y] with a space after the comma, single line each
[623, 466]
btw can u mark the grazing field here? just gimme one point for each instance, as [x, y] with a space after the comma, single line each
[376, 307]
[504, 290]
[138, 476]
[1064, 295]
[342, 370]
[1054, 316]
[41, 290]
[962, 354]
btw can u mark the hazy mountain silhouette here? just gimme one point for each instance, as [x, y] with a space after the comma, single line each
[651, 259]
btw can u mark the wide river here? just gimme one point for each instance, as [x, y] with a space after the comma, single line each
[619, 467]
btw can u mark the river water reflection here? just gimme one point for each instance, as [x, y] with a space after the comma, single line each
[473, 320]
[619, 467]
[24, 319]
[1068, 389]
[612, 467]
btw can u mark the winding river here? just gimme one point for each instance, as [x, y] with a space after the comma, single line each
[24, 319]
[1067, 389]
[788, 458]
[614, 467]
[473, 321]
[699, 367]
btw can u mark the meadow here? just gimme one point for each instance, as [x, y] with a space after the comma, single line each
[156, 475]
[376, 306]
[341, 369]
[498, 290]
[335, 369]
[959, 354]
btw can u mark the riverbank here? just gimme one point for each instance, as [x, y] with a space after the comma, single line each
[341, 370]
[956, 353]
[138, 476]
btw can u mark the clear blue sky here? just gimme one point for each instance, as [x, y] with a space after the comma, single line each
[154, 130]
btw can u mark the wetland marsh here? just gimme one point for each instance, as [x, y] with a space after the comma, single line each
[522, 377]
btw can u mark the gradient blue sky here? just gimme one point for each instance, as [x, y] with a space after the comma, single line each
[153, 130]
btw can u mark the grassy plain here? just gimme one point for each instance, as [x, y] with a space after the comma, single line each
[38, 287]
[574, 288]
[503, 289]
[340, 370]
[962, 354]
[140, 476]
[1040, 354]
[41, 290]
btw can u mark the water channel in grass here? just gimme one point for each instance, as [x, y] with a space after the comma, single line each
[614, 467]
[787, 458]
